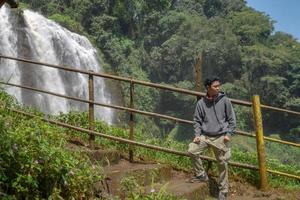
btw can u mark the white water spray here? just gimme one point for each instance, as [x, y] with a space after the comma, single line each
[31, 36]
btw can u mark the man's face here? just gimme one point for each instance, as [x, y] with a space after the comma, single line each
[214, 88]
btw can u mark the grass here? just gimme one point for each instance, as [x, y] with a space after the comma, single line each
[34, 161]
[243, 148]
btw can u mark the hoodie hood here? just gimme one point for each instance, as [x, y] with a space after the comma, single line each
[215, 99]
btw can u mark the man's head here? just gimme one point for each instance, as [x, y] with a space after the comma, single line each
[212, 86]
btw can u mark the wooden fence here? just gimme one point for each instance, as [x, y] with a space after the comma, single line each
[255, 104]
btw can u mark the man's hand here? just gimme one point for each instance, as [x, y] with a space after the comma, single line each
[226, 138]
[196, 139]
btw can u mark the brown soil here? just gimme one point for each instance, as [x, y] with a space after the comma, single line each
[246, 191]
[239, 189]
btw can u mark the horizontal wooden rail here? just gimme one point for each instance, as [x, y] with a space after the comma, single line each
[155, 85]
[283, 174]
[268, 138]
[149, 146]
[141, 112]
[279, 109]
[101, 104]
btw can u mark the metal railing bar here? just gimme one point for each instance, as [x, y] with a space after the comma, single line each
[149, 84]
[155, 85]
[101, 104]
[143, 112]
[279, 109]
[110, 136]
[281, 141]
[119, 78]
[283, 174]
[163, 149]
[46, 64]
[268, 138]
[245, 133]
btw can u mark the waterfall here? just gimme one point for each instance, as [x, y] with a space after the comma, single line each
[29, 35]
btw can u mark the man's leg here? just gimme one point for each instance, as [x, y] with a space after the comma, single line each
[196, 150]
[222, 157]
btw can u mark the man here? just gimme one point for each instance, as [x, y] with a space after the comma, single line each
[214, 124]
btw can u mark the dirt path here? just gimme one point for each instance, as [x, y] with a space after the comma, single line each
[245, 191]
[239, 189]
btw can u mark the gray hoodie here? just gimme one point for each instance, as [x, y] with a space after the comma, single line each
[214, 116]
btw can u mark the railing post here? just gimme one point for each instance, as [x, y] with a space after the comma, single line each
[198, 77]
[260, 143]
[198, 88]
[91, 109]
[131, 122]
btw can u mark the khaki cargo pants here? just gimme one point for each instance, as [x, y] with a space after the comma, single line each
[222, 153]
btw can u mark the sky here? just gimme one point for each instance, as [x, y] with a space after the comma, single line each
[286, 13]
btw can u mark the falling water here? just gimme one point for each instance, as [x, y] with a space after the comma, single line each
[29, 35]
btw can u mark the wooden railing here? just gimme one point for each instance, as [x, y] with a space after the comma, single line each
[259, 133]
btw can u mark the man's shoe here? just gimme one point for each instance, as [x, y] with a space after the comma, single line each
[222, 196]
[198, 179]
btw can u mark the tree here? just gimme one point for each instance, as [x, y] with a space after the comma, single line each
[251, 26]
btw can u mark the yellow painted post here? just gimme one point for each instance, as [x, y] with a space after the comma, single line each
[260, 143]
[91, 109]
[131, 122]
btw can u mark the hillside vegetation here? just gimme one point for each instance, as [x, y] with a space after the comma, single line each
[160, 40]
[35, 162]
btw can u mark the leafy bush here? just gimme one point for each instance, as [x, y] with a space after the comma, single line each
[67, 22]
[34, 163]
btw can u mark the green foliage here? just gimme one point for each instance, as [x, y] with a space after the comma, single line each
[160, 40]
[134, 191]
[243, 113]
[34, 163]
[240, 153]
[6, 101]
[23, 6]
[280, 157]
[274, 87]
[251, 26]
[67, 22]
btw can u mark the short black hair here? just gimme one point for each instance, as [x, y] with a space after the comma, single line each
[210, 80]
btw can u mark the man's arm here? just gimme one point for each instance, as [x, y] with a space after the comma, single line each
[198, 121]
[230, 117]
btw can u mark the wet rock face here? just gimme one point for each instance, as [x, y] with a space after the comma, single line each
[12, 3]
